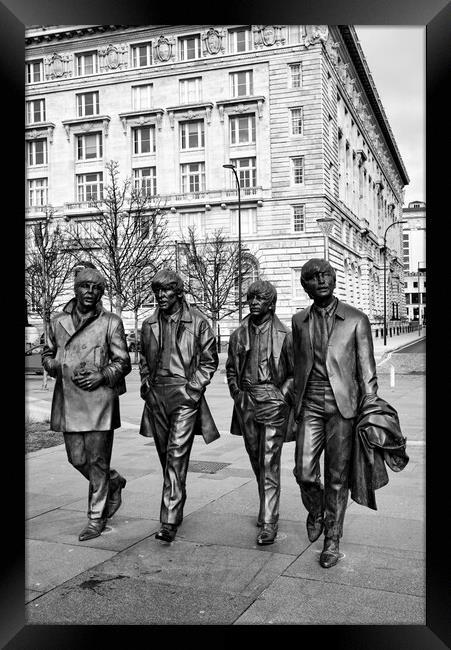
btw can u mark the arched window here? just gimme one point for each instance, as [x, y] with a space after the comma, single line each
[249, 274]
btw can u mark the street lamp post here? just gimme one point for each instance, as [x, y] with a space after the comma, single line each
[385, 273]
[233, 168]
[325, 224]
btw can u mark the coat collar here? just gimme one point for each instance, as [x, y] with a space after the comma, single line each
[277, 326]
[186, 315]
[340, 311]
[66, 319]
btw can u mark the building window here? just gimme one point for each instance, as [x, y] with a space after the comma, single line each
[296, 121]
[190, 90]
[141, 55]
[88, 104]
[295, 75]
[193, 177]
[145, 180]
[295, 33]
[86, 63]
[415, 285]
[141, 97]
[144, 140]
[192, 135]
[38, 191]
[297, 289]
[242, 129]
[299, 218]
[331, 178]
[241, 83]
[240, 40]
[297, 170]
[193, 220]
[35, 111]
[90, 187]
[89, 146]
[34, 71]
[248, 221]
[37, 152]
[246, 170]
[189, 47]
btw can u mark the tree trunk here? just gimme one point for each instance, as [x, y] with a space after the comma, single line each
[45, 376]
[118, 306]
[136, 336]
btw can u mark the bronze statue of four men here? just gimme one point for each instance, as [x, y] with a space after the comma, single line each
[303, 385]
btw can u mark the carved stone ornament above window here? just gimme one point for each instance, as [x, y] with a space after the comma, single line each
[86, 124]
[213, 41]
[241, 105]
[57, 66]
[45, 129]
[164, 48]
[190, 112]
[267, 35]
[112, 57]
[142, 118]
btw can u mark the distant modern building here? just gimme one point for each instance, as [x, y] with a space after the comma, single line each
[293, 107]
[414, 258]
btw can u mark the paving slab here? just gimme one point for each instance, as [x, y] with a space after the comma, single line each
[386, 569]
[197, 566]
[307, 602]
[244, 501]
[385, 532]
[130, 601]
[241, 531]
[48, 564]
[63, 527]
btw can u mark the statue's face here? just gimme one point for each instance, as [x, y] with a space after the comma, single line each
[88, 294]
[259, 305]
[167, 299]
[320, 284]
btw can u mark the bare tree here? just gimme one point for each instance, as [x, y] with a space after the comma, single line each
[48, 267]
[210, 269]
[125, 238]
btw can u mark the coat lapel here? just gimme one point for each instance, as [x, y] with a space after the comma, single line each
[67, 323]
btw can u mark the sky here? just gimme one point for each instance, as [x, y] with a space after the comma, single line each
[396, 58]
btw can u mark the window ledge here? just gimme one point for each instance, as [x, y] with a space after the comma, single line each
[241, 105]
[36, 130]
[190, 112]
[87, 123]
[142, 117]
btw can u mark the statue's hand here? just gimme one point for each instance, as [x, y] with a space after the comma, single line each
[88, 379]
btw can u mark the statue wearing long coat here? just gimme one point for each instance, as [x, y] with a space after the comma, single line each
[99, 342]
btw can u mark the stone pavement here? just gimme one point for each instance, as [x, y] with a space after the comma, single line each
[214, 573]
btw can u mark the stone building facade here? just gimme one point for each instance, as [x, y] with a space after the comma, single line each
[414, 258]
[293, 107]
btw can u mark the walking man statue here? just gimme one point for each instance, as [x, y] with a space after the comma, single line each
[87, 354]
[257, 382]
[177, 361]
[334, 368]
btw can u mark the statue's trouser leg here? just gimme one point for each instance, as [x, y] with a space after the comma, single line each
[263, 444]
[322, 427]
[174, 415]
[90, 453]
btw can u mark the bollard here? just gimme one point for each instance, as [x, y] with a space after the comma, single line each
[392, 376]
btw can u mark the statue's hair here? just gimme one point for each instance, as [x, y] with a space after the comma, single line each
[267, 290]
[88, 274]
[168, 278]
[313, 266]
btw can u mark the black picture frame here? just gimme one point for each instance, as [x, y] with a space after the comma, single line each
[435, 15]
